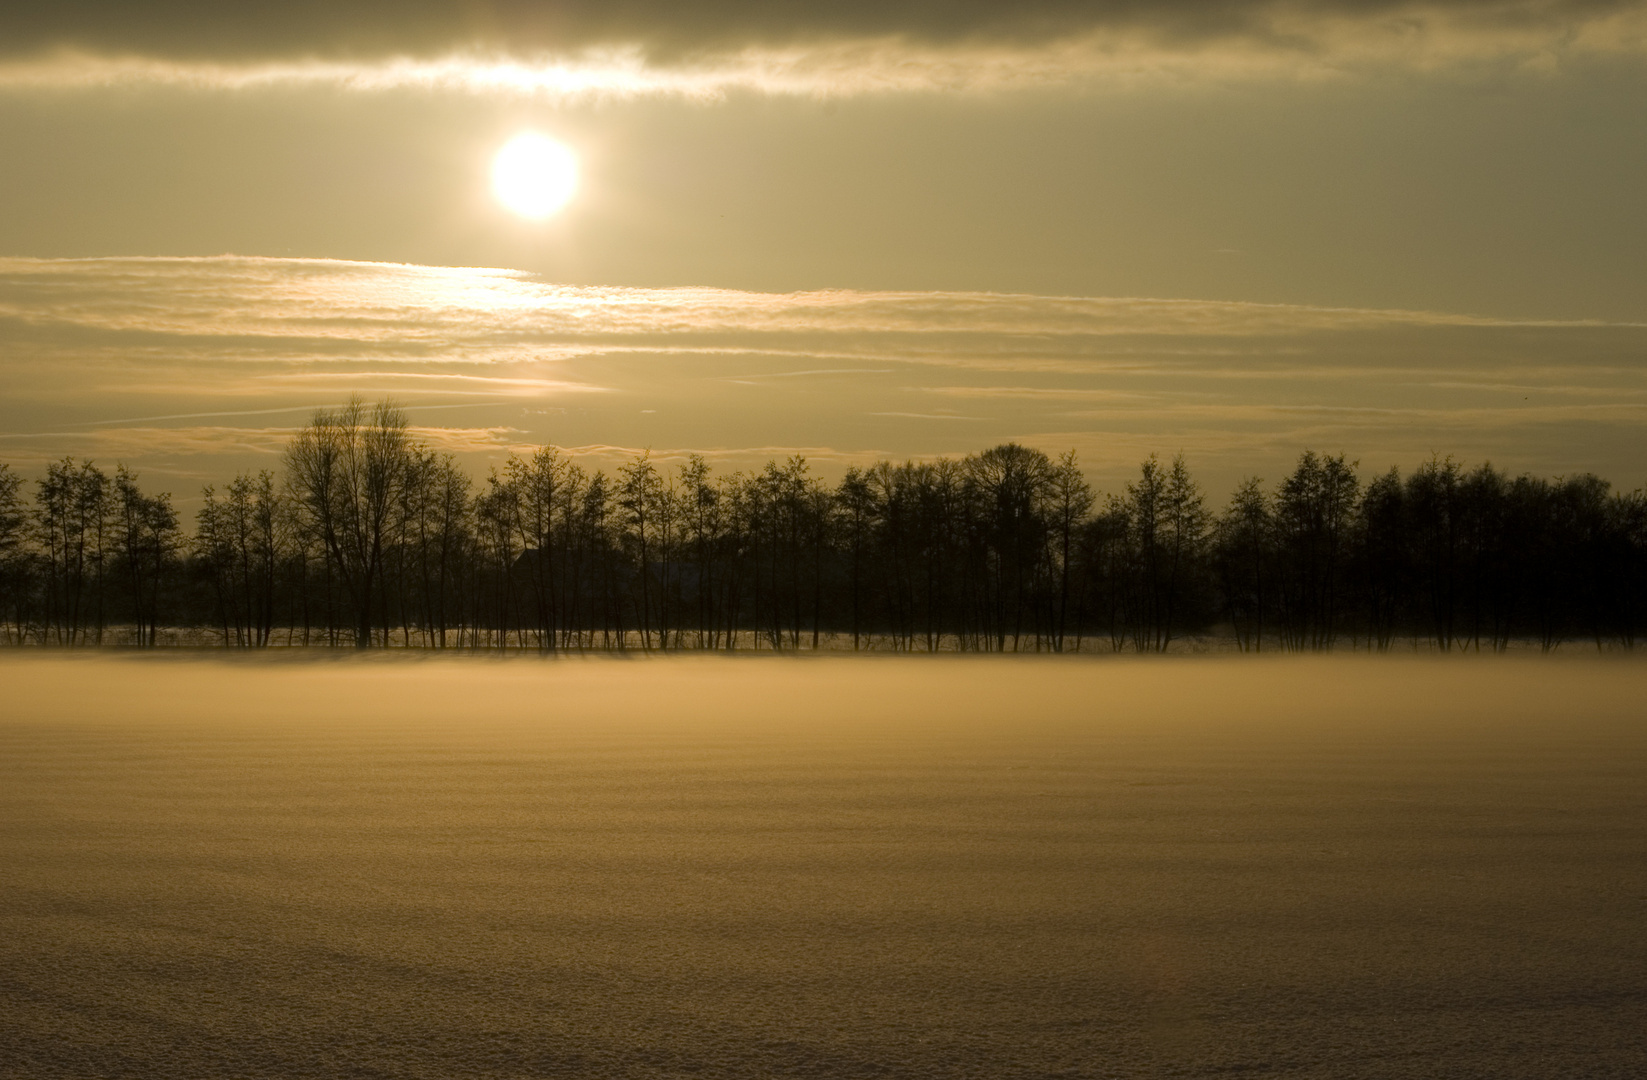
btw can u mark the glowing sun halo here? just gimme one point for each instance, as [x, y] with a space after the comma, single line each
[534, 175]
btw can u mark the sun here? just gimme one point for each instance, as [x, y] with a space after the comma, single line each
[534, 176]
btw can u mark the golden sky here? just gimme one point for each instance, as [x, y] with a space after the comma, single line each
[850, 229]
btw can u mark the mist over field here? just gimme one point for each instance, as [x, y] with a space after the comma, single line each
[756, 867]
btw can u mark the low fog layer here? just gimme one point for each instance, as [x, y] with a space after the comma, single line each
[886, 866]
[1316, 701]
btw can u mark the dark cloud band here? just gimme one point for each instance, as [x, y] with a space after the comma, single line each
[368, 29]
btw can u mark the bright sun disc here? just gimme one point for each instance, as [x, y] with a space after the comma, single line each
[534, 175]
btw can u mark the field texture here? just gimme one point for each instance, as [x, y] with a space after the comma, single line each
[929, 867]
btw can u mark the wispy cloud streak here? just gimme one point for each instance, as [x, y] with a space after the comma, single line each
[126, 357]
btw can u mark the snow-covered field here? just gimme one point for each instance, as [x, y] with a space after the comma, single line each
[828, 867]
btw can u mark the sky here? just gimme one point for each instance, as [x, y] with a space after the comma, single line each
[848, 230]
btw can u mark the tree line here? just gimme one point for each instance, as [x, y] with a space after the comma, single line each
[367, 538]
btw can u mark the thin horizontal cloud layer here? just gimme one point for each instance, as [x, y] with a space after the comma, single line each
[198, 367]
[646, 47]
[490, 311]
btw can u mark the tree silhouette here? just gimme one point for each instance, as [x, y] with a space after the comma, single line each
[239, 544]
[346, 470]
[14, 569]
[372, 539]
[1244, 546]
[855, 503]
[71, 526]
[641, 500]
[146, 547]
[1069, 500]
[1314, 516]
[1383, 558]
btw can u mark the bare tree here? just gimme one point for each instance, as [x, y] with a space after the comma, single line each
[538, 483]
[1168, 523]
[146, 541]
[13, 568]
[1314, 521]
[346, 470]
[1383, 558]
[1010, 484]
[1244, 548]
[239, 542]
[855, 498]
[640, 497]
[497, 514]
[1070, 499]
[1435, 525]
[701, 526]
[71, 522]
[436, 509]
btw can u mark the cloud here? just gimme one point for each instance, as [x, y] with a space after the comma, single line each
[1063, 394]
[752, 376]
[928, 416]
[485, 440]
[203, 29]
[424, 382]
[738, 455]
[332, 308]
[600, 48]
[204, 443]
[144, 442]
[158, 362]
